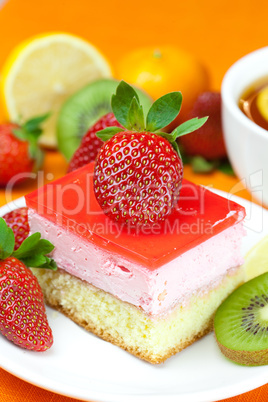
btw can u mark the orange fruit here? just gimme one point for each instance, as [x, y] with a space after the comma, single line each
[159, 70]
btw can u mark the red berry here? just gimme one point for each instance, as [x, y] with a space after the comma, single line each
[137, 178]
[14, 155]
[17, 220]
[208, 140]
[91, 144]
[23, 317]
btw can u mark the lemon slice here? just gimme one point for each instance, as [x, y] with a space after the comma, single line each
[41, 73]
[256, 260]
[262, 102]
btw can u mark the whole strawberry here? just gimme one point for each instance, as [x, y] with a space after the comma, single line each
[138, 171]
[208, 141]
[23, 317]
[17, 220]
[19, 151]
[91, 144]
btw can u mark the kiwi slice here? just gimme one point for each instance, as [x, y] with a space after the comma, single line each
[241, 323]
[84, 108]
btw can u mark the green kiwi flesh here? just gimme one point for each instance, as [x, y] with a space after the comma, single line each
[84, 108]
[241, 323]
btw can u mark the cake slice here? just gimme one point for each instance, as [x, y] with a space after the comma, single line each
[153, 293]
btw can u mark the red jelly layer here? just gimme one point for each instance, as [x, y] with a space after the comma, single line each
[200, 214]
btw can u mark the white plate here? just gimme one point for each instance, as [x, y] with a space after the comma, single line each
[82, 366]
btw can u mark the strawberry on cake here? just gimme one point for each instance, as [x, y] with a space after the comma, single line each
[144, 258]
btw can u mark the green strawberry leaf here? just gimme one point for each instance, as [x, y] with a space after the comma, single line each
[37, 154]
[39, 261]
[35, 133]
[167, 136]
[31, 252]
[33, 245]
[176, 148]
[163, 111]
[31, 129]
[32, 148]
[35, 151]
[7, 240]
[201, 165]
[30, 132]
[49, 264]
[20, 133]
[35, 261]
[33, 125]
[44, 247]
[135, 116]
[226, 168]
[28, 245]
[188, 127]
[108, 133]
[121, 102]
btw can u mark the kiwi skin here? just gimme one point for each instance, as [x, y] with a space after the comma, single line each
[241, 332]
[244, 357]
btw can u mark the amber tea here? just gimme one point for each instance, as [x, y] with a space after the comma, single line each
[254, 102]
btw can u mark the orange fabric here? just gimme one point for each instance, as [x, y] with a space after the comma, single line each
[218, 33]
[13, 389]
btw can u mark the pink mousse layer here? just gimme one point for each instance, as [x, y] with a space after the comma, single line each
[156, 292]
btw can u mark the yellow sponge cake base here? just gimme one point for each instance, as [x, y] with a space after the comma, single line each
[124, 325]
